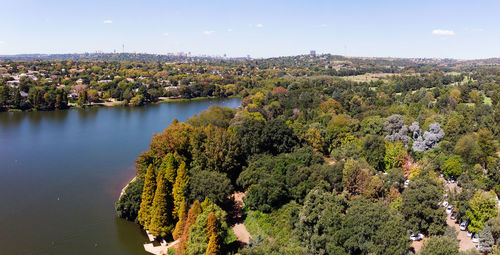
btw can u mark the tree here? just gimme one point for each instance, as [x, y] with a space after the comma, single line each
[486, 142]
[181, 180]
[82, 97]
[213, 229]
[420, 205]
[148, 192]
[278, 137]
[396, 128]
[395, 154]
[486, 240]
[213, 247]
[128, 205]
[320, 219]
[468, 148]
[374, 151]
[193, 214]
[373, 228]
[482, 207]
[213, 185]
[440, 245]
[161, 218]
[452, 167]
[216, 149]
[494, 225]
[182, 217]
[198, 238]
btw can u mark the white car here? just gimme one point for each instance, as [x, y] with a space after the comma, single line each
[445, 204]
[416, 237]
[463, 225]
[407, 182]
[449, 209]
[475, 238]
[469, 234]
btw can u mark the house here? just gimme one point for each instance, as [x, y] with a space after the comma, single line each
[13, 84]
[73, 95]
[23, 94]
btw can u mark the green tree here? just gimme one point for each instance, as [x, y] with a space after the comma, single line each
[440, 245]
[82, 97]
[373, 228]
[482, 207]
[161, 218]
[181, 180]
[213, 185]
[452, 167]
[395, 154]
[148, 193]
[486, 240]
[486, 142]
[468, 148]
[129, 203]
[420, 205]
[320, 220]
[374, 151]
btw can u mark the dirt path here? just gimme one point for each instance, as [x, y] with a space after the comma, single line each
[465, 242]
[236, 216]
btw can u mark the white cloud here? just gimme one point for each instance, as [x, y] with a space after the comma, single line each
[230, 30]
[259, 25]
[165, 34]
[108, 21]
[2, 42]
[208, 32]
[442, 32]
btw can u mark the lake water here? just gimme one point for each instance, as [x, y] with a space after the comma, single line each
[61, 173]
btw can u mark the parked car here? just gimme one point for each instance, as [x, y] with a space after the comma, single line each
[416, 237]
[469, 234]
[407, 182]
[453, 215]
[475, 238]
[449, 209]
[463, 225]
[445, 204]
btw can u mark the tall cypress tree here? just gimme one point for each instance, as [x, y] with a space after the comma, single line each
[168, 166]
[193, 213]
[161, 218]
[181, 181]
[213, 230]
[148, 192]
[213, 247]
[179, 227]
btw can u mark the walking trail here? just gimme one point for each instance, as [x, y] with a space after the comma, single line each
[236, 217]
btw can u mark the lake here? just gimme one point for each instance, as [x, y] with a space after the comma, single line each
[62, 171]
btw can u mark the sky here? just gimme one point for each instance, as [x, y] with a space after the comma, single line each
[372, 28]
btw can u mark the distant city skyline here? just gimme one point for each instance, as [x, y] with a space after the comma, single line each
[422, 29]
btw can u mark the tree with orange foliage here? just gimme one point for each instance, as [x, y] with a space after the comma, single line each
[193, 213]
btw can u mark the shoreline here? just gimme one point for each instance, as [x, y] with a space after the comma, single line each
[124, 188]
[120, 103]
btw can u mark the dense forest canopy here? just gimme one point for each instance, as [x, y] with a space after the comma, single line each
[333, 155]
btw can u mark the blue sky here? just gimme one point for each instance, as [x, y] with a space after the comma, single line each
[454, 29]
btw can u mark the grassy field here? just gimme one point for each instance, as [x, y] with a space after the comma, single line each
[368, 77]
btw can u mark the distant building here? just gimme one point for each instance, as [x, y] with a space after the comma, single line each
[312, 53]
